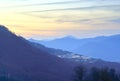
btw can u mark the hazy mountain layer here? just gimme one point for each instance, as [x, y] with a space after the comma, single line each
[104, 47]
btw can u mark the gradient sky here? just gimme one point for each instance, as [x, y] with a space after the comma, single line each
[55, 18]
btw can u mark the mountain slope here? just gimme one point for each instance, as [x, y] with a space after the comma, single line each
[24, 62]
[104, 47]
[67, 43]
[78, 59]
[66, 54]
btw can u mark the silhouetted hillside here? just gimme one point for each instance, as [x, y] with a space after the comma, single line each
[24, 62]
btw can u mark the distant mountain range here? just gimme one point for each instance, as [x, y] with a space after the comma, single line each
[78, 59]
[103, 47]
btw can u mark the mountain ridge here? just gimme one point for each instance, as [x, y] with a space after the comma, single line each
[97, 47]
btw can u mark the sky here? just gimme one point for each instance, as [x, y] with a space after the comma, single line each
[46, 19]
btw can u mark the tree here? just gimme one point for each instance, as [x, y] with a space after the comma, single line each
[118, 77]
[105, 75]
[79, 73]
[4, 78]
[95, 74]
[113, 75]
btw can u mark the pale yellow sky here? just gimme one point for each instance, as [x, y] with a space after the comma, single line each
[48, 19]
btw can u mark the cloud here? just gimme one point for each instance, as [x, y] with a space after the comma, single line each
[117, 20]
[49, 3]
[97, 2]
[100, 20]
[74, 21]
[104, 7]
[62, 2]
[54, 3]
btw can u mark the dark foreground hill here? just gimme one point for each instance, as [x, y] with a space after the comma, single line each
[24, 62]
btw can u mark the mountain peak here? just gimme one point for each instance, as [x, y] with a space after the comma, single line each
[3, 28]
[5, 32]
[70, 37]
[6, 36]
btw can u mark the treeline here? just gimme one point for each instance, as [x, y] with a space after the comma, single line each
[3, 78]
[95, 74]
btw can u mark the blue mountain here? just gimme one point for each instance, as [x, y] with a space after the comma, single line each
[103, 47]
